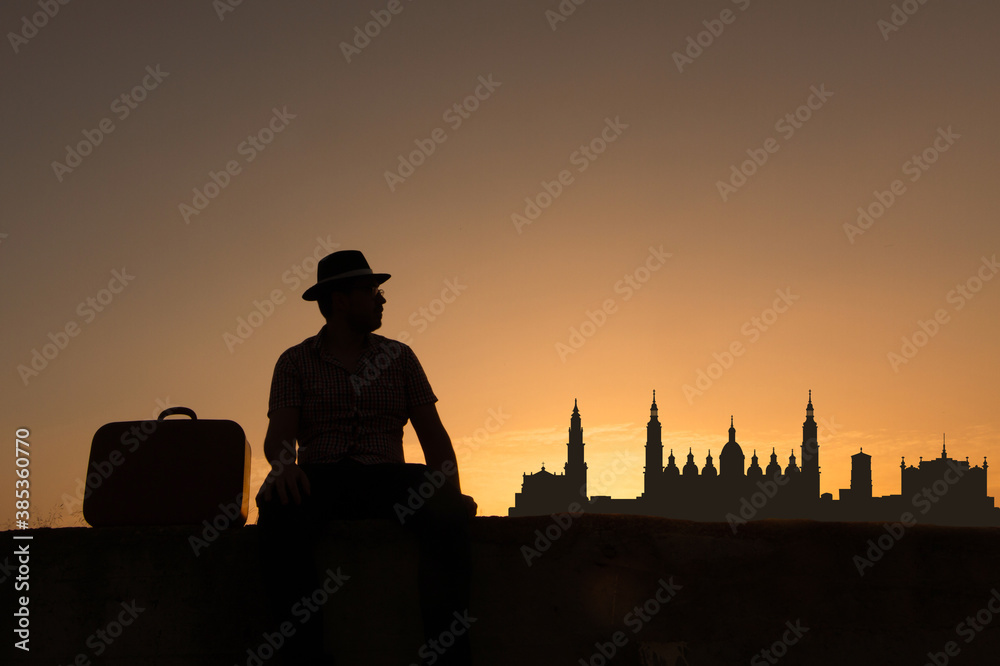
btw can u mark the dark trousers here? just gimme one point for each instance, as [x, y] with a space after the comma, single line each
[350, 490]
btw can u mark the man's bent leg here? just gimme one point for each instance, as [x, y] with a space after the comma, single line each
[441, 525]
[288, 538]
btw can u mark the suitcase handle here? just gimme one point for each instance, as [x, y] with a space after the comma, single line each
[186, 411]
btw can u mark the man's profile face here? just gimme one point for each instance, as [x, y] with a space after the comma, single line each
[363, 305]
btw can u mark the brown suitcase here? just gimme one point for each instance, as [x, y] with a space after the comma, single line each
[168, 472]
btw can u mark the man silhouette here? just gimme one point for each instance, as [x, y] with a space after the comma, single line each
[344, 395]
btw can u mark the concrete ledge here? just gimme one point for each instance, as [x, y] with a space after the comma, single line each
[737, 592]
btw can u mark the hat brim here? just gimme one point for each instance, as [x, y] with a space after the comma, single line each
[314, 292]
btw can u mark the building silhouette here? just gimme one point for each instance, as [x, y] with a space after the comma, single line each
[940, 491]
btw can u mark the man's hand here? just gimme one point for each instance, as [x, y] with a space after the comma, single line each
[471, 505]
[286, 478]
[288, 482]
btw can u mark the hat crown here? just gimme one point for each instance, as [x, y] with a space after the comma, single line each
[340, 265]
[341, 262]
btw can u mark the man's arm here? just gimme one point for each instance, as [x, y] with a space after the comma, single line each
[434, 440]
[437, 447]
[286, 478]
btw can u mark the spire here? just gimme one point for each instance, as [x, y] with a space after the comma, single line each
[654, 453]
[754, 470]
[690, 469]
[709, 469]
[773, 467]
[575, 467]
[732, 429]
[792, 468]
[809, 406]
[944, 451]
[671, 467]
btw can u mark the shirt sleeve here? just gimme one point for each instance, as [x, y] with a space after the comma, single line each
[418, 389]
[286, 385]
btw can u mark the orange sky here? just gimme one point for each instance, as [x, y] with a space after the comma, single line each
[622, 145]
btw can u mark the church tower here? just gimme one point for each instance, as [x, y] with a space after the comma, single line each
[576, 468]
[731, 459]
[809, 479]
[773, 468]
[654, 452]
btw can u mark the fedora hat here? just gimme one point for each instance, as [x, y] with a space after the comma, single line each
[339, 266]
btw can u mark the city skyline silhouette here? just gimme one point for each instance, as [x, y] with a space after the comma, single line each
[941, 491]
[731, 203]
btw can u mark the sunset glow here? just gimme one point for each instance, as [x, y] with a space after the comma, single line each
[803, 200]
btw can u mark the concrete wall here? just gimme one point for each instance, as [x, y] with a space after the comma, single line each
[738, 595]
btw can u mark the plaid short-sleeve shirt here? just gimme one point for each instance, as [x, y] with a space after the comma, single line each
[345, 414]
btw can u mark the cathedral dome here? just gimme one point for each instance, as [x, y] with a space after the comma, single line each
[731, 449]
[731, 459]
